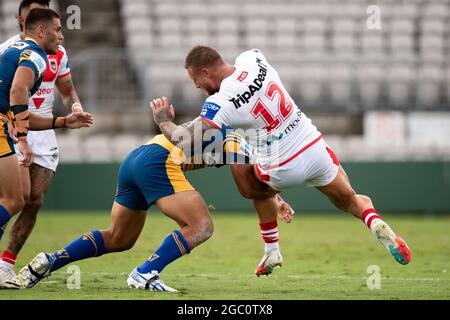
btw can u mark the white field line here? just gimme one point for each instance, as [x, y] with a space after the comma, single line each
[305, 277]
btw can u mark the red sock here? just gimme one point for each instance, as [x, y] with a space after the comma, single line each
[370, 215]
[8, 257]
[269, 231]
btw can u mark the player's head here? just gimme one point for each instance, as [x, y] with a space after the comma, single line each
[203, 64]
[26, 5]
[44, 26]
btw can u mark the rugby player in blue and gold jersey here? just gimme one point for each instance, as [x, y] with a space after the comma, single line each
[151, 174]
[22, 67]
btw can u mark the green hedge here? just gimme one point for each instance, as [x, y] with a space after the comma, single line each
[393, 187]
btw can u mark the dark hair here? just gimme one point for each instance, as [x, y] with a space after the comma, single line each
[202, 56]
[27, 3]
[39, 15]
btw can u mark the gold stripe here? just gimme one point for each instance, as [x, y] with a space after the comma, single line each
[179, 244]
[90, 236]
[176, 177]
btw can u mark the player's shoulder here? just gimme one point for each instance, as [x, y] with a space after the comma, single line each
[249, 55]
[6, 44]
[62, 50]
[30, 48]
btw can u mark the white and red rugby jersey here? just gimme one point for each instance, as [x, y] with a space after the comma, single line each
[254, 100]
[58, 66]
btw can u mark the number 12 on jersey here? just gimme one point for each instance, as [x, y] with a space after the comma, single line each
[284, 108]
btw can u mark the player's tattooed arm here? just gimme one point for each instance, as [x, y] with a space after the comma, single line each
[69, 94]
[182, 137]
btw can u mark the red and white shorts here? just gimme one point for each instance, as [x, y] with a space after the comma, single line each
[317, 166]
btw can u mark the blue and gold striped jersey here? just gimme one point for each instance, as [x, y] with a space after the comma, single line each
[226, 147]
[21, 53]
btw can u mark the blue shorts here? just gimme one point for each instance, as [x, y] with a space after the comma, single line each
[147, 174]
[6, 143]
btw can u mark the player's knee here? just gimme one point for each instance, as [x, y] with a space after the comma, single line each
[26, 196]
[246, 192]
[115, 242]
[207, 228]
[201, 231]
[16, 204]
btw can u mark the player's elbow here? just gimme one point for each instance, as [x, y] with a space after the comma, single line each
[18, 91]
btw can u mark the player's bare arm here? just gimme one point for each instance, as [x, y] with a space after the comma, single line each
[68, 93]
[164, 114]
[20, 88]
[74, 120]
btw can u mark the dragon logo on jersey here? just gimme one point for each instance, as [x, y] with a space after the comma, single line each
[209, 110]
[53, 64]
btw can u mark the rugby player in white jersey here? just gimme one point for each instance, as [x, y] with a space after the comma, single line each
[36, 178]
[250, 96]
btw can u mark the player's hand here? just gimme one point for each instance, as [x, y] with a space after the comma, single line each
[11, 133]
[27, 154]
[162, 110]
[285, 211]
[77, 120]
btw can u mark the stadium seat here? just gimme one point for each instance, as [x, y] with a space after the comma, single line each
[70, 147]
[340, 82]
[370, 78]
[122, 144]
[429, 82]
[98, 148]
[399, 82]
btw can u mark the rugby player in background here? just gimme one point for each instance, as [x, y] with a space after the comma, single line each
[22, 68]
[37, 177]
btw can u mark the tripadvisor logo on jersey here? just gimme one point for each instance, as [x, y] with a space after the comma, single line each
[252, 88]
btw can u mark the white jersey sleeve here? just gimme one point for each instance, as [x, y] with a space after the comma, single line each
[64, 67]
[5, 45]
[216, 113]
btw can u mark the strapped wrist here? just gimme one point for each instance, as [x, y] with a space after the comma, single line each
[21, 119]
[54, 124]
[76, 104]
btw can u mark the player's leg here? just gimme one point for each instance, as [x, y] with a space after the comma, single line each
[8, 257]
[35, 182]
[11, 201]
[191, 213]
[26, 182]
[126, 226]
[267, 205]
[11, 198]
[342, 195]
[249, 186]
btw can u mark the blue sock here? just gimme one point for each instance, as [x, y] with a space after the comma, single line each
[4, 219]
[173, 247]
[88, 245]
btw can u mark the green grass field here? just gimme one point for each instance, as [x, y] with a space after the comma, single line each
[325, 257]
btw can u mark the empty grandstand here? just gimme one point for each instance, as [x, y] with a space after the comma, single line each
[367, 88]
